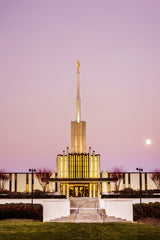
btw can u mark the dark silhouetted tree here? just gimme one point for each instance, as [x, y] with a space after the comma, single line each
[43, 174]
[3, 178]
[117, 173]
[155, 176]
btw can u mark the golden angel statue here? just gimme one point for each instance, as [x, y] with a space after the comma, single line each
[78, 65]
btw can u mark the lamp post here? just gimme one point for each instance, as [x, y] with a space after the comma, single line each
[32, 170]
[140, 170]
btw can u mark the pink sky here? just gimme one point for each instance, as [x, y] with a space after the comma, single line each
[118, 45]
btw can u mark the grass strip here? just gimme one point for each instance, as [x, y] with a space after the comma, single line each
[14, 230]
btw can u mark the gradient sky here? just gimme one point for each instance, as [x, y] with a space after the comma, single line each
[118, 45]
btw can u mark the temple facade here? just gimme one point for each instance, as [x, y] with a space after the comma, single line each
[78, 174]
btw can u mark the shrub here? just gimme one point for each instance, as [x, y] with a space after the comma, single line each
[151, 210]
[21, 210]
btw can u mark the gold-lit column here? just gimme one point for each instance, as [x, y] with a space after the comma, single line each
[13, 182]
[59, 187]
[90, 190]
[98, 166]
[143, 181]
[104, 184]
[89, 162]
[58, 166]
[93, 164]
[52, 185]
[94, 189]
[63, 189]
[63, 164]
[67, 190]
[47, 187]
[98, 189]
[67, 164]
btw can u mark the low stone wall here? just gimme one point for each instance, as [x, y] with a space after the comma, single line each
[52, 208]
[123, 208]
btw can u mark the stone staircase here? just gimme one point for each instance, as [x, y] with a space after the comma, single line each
[85, 210]
[88, 215]
[83, 202]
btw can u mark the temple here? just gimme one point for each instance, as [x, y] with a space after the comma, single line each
[78, 171]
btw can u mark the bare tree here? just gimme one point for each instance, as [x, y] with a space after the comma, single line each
[117, 173]
[155, 176]
[3, 178]
[43, 174]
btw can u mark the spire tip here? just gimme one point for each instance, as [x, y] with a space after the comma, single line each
[78, 64]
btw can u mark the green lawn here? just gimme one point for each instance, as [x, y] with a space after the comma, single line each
[14, 230]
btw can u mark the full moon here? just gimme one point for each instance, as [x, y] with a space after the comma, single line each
[148, 141]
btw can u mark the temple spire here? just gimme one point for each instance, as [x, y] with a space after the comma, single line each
[78, 127]
[78, 100]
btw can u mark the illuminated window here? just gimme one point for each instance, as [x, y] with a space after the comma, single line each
[78, 166]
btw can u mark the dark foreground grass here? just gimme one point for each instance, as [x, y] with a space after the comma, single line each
[13, 230]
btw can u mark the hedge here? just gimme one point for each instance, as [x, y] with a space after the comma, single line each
[131, 193]
[150, 210]
[36, 194]
[21, 210]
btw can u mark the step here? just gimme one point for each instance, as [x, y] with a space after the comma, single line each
[114, 219]
[88, 215]
[64, 219]
[88, 221]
